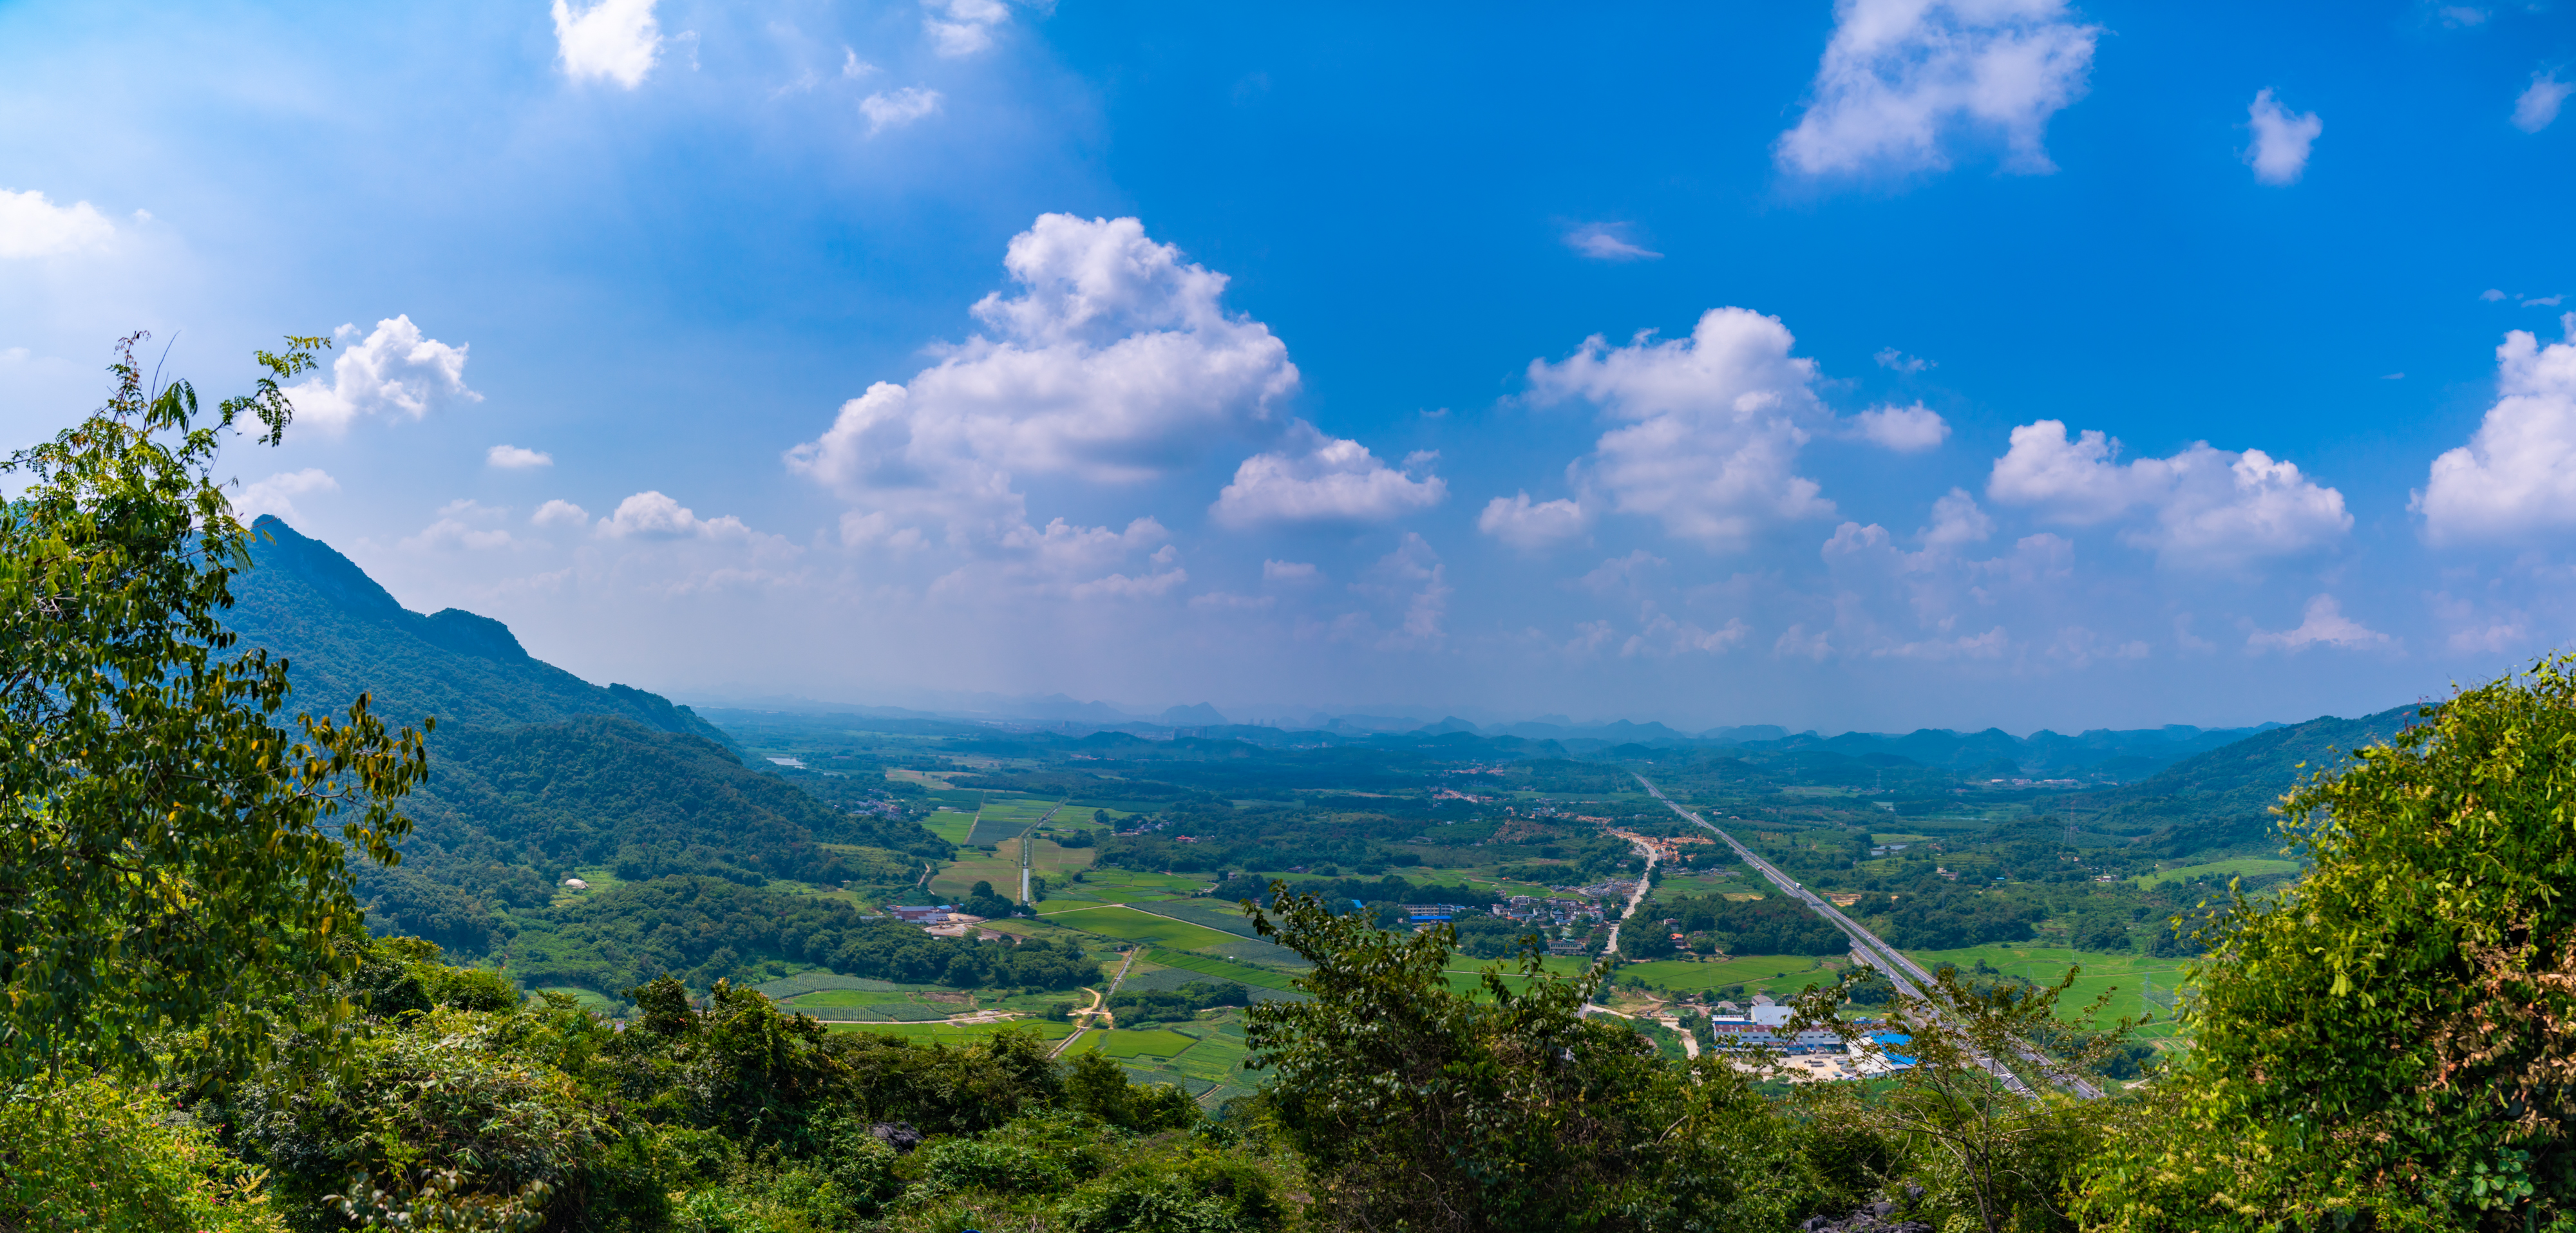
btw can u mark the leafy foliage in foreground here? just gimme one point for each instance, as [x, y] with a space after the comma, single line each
[1416, 1107]
[2393, 1042]
[729, 1114]
[167, 853]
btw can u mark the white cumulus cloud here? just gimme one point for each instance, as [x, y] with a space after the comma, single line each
[1114, 362]
[610, 40]
[2538, 105]
[1907, 430]
[1903, 80]
[896, 108]
[651, 515]
[395, 370]
[2281, 140]
[1290, 571]
[513, 458]
[2203, 507]
[2324, 625]
[31, 226]
[1957, 521]
[2517, 475]
[559, 513]
[1710, 425]
[1608, 242]
[1534, 526]
[276, 494]
[1316, 478]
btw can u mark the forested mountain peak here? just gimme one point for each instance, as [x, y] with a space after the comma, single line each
[345, 633]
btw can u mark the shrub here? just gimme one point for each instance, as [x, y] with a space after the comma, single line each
[90, 1155]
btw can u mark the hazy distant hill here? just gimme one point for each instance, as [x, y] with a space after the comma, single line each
[2222, 800]
[534, 771]
[2118, 754]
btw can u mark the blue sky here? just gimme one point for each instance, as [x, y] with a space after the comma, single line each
[2011, 362]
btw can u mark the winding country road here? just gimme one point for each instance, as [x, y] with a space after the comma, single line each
[1644, 884]
[1102, 1004]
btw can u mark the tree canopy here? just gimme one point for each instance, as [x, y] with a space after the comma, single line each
[167, 859]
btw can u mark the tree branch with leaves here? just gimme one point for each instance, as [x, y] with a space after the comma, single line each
[169, 861]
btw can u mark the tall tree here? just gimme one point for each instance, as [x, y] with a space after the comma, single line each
[167, 860]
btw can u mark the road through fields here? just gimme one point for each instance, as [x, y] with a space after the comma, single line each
[1908, 976]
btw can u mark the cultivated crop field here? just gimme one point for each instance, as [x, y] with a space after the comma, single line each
[949, 824]
[1780, 974]
[958, 1034]
[1241, 974]
[2127, 976]
[1129, 924]
[1129, 886]
[959, 876]
[2243, 867]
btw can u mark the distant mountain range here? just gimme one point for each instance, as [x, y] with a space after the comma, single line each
[2099, 753]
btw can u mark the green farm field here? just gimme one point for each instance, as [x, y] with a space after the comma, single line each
[1129, 924]
[1704, 883]
[949, 824]
[1121, 1043]
[1781, 974]
[1206, 965]
[1129, 886]
[2125, 975]
[1056, 863]
[957, 877]
[589, 999]
[2242, 867]
[958, 1034]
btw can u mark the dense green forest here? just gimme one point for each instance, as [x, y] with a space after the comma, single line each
[1769, 926]
[704, 930]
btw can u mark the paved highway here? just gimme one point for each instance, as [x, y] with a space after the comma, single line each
[1028, 843]
[1908, 976]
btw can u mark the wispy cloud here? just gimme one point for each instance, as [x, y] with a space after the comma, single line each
[1608, 242]
[896, 108]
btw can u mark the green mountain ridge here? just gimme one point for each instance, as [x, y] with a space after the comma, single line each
[344, 634]
[535, 772]
[2221, 801]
